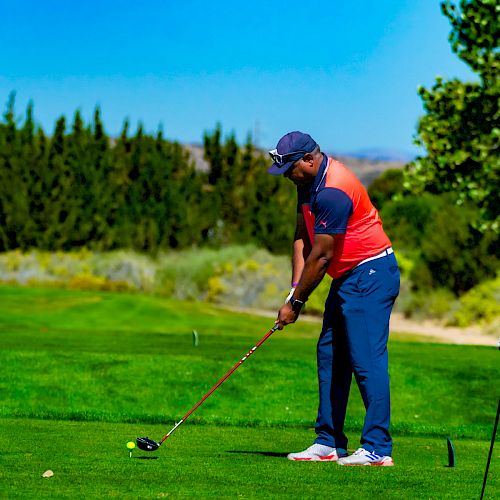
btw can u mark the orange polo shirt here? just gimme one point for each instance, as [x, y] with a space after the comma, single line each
[337, 203]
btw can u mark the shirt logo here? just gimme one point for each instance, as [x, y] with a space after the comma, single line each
[372, 271]
[323, 223]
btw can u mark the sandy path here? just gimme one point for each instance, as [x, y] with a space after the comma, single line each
[439, 333]
[418, 330]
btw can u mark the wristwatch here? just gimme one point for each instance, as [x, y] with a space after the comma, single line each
[296, 304]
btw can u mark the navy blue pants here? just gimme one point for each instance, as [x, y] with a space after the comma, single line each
[354, 340]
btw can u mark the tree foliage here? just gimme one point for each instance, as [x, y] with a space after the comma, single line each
[446, 249]
[386, 187]
[81, 188]
[461, 128]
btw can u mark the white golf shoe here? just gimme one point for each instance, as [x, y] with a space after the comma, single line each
[316, 453]
[364, 457]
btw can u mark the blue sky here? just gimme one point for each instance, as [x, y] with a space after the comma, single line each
[346, 72]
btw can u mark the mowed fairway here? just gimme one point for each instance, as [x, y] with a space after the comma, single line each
[85, 372]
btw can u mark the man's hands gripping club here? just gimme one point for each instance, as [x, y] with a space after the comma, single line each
[314, 270]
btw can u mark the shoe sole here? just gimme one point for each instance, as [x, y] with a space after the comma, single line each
[318, 459]
[371, 464]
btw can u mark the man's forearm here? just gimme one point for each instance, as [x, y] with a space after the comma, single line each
[314, 270]
[317, 264]
[301, 248]
[298, 260]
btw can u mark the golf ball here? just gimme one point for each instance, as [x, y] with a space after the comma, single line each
[130, 445]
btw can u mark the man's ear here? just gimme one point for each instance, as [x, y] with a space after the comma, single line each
[308, 158]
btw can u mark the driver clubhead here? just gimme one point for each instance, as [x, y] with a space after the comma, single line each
[147, 444]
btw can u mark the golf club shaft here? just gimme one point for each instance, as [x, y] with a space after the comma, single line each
[495, 427]
[221, 381]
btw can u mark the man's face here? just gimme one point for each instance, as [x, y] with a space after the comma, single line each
[300, 172]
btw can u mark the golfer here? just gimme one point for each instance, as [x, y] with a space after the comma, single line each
[339, 232]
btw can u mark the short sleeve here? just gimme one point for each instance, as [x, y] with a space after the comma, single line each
[303, 197]
[332, 209]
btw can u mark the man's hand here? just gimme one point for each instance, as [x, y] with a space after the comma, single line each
[314, 269]
[286, 315]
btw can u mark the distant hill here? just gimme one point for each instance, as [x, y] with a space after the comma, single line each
[382, 154]
[365, 167]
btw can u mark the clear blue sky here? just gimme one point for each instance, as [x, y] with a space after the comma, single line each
[346, 72]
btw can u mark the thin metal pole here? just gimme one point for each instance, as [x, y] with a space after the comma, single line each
[220, 382]
[491, 450]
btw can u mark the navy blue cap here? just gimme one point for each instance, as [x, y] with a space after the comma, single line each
[290, 148]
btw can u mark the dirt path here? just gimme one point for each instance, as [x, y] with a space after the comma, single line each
[439, 333]
[418, 330]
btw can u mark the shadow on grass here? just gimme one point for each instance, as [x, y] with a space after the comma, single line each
[264, 453]
[146, 458]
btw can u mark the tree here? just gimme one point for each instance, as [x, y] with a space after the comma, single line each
[11, 192]
[81, 166]
[461, 128]
[384, 188]
[79, 188]
[57, 217]
[439, 237]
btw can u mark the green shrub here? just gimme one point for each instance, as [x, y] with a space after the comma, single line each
[480, 305]
[406, 261]
[186, 273]
[89, 282]
[447, 250]
[386, 186]
[260, 281]
[436, 304]
[238, 276]
[457, 255]
[406, 219]
[215, 289]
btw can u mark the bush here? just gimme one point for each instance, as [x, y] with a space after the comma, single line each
[436, 304]
[406, 219]
[90, 282]
[480, 305]
[185, 274]
[386, 186]
[242, 276]
[448, 251]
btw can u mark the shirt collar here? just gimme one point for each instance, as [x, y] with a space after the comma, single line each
[319, 175]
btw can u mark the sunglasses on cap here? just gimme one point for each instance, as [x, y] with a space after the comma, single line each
[282, 159]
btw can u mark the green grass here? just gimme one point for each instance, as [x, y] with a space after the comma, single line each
[212, 461]
[84, 372]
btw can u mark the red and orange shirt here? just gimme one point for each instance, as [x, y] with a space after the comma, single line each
[337, 203]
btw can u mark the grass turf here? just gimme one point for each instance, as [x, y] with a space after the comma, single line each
[89, 459]
[104, 359]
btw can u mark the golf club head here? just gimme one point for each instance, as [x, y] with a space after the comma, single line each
[147, 444]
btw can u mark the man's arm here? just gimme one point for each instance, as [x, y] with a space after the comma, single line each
[301, 248]
[313, 272]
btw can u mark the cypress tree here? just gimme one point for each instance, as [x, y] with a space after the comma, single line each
[119, 181]
[13, 178]
[26, 226]
[7, 179]
[100, 186]
[58, 194]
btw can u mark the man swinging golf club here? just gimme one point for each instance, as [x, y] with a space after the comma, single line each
[339, 232]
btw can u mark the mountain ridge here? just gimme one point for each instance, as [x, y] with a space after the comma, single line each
[365, 169]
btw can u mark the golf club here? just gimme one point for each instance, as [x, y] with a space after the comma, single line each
[493, 436]
[146, 444]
